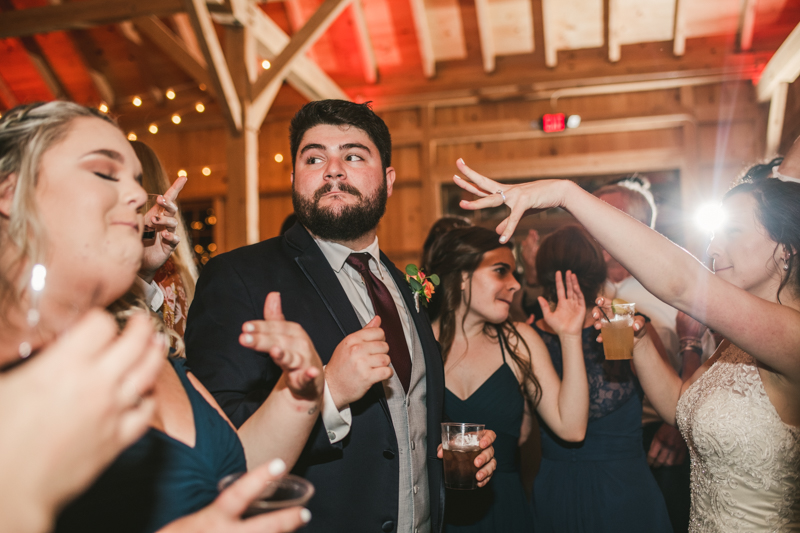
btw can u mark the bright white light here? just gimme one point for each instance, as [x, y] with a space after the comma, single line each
[573, 121]
[38, 275]
[709, 217]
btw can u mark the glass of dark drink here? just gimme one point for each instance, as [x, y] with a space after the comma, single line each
[288, 491]
[460, 448]
[151, 209]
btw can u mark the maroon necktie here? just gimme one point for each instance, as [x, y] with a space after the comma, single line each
[384, 306]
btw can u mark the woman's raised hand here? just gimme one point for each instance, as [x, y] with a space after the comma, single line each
[289, 346]
[163, 215]
[570, 311]
[224, 515]
[541, 194]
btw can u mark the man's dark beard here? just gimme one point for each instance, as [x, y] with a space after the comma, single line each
[350, 223]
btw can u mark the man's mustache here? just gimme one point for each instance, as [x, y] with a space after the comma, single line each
[342, 186]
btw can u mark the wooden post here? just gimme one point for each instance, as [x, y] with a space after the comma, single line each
[777, 110]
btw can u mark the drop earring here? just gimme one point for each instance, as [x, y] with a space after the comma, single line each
[38, 277]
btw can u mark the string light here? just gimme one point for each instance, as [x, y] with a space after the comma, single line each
[200, 107]
[182, 173]
[176, 119]
[279, 158]
[199, 248]
[103, 108]
[132, 136]
[266, 64]
[202, 87]
[206, 171]
[137, 101]
[170, 94]
[212, 247]
[153, 129]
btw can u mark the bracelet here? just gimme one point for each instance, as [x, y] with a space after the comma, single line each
[693, 344]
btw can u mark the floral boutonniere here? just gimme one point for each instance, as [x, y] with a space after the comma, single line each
[421, 285]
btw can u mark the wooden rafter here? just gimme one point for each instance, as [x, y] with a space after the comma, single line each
[86, 50]
[301, 41]
[777, 110]
[217, 67]
[7, 95]
[486, 34]
[305, 75]
[81, 15]
[424, 37]
[747, 23]
[365, 43]
[183, 26]
[784, 67]
[194, 64]
[679, 36]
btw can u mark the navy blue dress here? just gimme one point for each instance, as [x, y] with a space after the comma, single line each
[500, 506]
[159, 479]
[602, 484]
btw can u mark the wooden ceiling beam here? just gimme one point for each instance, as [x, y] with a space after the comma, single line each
[747, 22]
[783, 67]
[301, 41]
[7, 95]
[486, 33]
[81, 15]
[191, 62]
[679, 35]
[424, 39]
[777, 111]
[216, 65]
[305, 75]
[183, 26]
[44, 68]
[369, 60]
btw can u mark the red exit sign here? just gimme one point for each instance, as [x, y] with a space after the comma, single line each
[553, 122]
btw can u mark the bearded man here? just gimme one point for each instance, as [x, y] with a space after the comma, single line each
[372, 455]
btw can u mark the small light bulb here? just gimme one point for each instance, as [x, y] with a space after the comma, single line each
[279, 158]
[266, 64]
[200, 107]
[206, 171]
[170, 94]
[103, 108]
[132, 136]
[137, 101]
[202, 87]
[176, 119]
[182, 173]
[153, 129]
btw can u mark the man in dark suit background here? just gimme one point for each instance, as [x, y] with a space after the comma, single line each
[373, 454]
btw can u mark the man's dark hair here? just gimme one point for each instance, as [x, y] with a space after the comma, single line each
[341, 113]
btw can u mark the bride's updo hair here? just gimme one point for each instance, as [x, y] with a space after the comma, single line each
[27, 132]
[778, 211]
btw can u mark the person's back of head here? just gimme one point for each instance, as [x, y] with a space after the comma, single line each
[571, 248]
[341, 113]
[633, 196]
[439, 228]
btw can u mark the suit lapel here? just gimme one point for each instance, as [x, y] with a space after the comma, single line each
[322, 277]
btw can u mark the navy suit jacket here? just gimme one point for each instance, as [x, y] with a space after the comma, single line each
[357, 478]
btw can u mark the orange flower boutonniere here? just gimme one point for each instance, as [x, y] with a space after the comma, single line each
[422, 286]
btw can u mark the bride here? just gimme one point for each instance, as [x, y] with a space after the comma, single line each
[740, 411]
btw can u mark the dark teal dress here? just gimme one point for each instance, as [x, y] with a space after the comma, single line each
[602, 484]
[500, 506]
[159, 479]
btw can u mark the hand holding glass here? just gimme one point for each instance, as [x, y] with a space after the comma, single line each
[460, 447]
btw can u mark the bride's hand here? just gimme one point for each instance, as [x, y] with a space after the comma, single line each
[570, 312]
[604, 306]
[521, 198]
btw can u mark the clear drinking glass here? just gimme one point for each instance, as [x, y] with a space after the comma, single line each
[460, 448]
[617, 331]
[282, 493]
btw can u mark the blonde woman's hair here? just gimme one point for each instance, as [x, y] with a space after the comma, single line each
[26, 133]
[155, 181]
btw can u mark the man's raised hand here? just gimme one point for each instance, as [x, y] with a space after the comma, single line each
[360, 361]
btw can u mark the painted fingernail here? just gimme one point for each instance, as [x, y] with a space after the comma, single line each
[461, 160]
[248, 339]
[305, 516]
[277, 467]
[249, 327]
[503, 238]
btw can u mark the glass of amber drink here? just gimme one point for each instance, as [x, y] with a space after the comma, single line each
[617, 331]
[460, 444]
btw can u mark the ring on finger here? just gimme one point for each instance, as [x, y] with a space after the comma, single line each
[502, 195]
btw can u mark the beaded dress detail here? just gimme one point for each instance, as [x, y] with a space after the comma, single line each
[745, 459]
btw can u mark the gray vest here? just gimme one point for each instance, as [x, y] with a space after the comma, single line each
[410, 420]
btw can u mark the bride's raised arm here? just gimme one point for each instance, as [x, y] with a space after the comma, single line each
[767, 330]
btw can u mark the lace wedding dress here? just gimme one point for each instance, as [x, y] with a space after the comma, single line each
[745, 459]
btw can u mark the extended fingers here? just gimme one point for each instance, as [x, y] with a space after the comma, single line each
[560, 287]
[469, 187]
[273, 309]
[235, 499]
[493, 200]
[171, 195]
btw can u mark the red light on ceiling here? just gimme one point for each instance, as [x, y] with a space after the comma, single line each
[553, 122]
